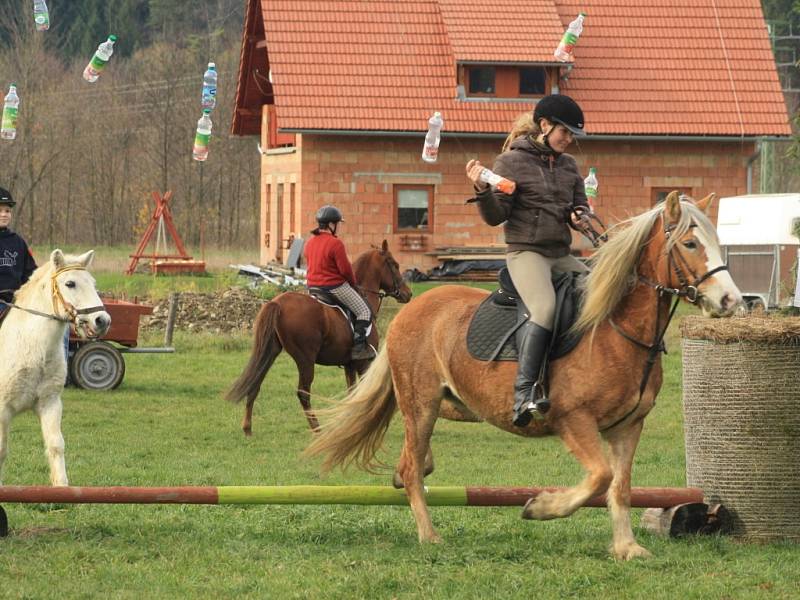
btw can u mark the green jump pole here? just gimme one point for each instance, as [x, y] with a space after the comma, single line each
[322, 494]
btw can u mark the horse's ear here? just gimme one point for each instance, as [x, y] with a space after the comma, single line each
[384, 247]
[673, 206]
[57, 258]
[704, 204]
[86, 259]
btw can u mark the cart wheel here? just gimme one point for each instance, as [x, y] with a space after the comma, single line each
[97, 366]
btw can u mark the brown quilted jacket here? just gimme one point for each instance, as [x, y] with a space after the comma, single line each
[536, 214]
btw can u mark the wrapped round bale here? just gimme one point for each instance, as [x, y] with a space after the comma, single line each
[741, 402]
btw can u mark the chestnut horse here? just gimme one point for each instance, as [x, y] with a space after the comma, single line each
[313, 333]
[669, 251]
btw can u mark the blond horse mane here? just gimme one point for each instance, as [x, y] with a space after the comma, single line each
[614, 265]
[25, 293]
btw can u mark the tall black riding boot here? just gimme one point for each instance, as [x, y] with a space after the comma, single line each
[361, 350]
[532, 345]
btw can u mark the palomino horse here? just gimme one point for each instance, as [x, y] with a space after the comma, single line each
[671, 250]
[33, 367]
[313, 333]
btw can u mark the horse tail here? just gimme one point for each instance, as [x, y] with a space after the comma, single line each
[356, 426]
[266, 347]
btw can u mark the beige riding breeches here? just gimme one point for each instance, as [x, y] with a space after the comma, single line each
[532, 276]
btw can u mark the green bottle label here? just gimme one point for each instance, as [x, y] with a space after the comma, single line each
[98, 63]
[569, 39]
[9, 118]
[201, 140]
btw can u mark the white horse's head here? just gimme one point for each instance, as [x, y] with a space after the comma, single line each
[75, 296]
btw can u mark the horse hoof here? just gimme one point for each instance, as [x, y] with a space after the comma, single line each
[397, 481]
[630, 551]
[538, 508]
[247, 432]
[433, 538]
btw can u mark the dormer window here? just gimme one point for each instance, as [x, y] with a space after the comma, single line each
[481, 81]
[532, 81]
[503, 82]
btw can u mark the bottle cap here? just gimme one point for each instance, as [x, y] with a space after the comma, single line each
[112, 38]
[212, 66]
[206, 111]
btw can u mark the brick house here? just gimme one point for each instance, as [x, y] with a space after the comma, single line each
[676, 96]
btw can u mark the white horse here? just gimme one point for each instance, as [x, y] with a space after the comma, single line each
[33, 367]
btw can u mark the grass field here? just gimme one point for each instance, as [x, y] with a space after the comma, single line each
[167, 425]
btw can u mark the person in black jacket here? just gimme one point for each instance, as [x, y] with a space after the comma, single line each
[16, 260]
[535, 217]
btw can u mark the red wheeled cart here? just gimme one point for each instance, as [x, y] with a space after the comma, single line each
[99, 364]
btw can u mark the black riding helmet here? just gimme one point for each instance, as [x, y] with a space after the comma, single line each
[329, 214]
[5, 198]
[561, 109]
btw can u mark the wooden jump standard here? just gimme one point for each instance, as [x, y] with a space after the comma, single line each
[321, 494]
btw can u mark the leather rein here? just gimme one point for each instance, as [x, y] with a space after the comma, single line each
[58, 298]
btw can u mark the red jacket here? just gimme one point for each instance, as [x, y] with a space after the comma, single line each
[327, 261]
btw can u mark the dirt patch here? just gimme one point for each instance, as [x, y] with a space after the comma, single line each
[230, 311]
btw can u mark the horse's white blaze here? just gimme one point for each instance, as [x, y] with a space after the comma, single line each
[33, 367]
[720, 294]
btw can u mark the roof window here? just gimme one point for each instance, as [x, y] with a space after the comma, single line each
[505, 82]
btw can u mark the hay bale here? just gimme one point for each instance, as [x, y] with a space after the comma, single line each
[741, 400]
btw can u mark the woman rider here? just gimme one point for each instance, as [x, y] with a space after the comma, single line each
[329, 269]
[536, 229]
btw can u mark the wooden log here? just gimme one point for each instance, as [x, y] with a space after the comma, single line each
[684, 519]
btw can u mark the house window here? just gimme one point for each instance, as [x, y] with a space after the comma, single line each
[413, 208]
[660, 194]
[532, 81]
[481, 80]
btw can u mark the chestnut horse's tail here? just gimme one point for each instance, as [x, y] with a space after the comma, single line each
[266, 347]
[354, 428]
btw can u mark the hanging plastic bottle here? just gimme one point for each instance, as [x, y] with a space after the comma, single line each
[570, 38]
[8, 129]
[590, 185]
[202, 137]
[501, 183]
[104, 51]
[430, 151]
[41, 15]
[209, 100]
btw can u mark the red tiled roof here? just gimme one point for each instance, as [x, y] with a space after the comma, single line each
[686, 67]
[501, 30]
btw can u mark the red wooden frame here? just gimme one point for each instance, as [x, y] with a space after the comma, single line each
[184, 261]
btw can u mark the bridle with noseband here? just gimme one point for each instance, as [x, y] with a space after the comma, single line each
[689, 289]
[58, 299]
[397, 281]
